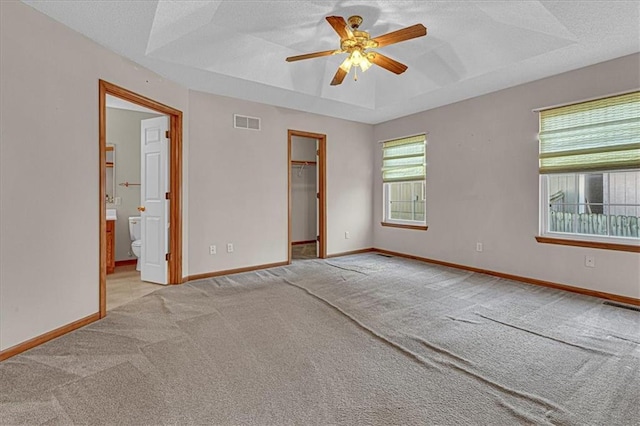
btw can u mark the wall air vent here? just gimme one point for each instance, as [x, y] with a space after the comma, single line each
[244, 122]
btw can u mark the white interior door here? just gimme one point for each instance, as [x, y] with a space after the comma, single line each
[154, 207]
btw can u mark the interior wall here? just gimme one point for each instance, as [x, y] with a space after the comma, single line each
[482, 183]
[303, 203]
[303, 189]
[239, 182]
[49, 263]
[303, 148]
[123, 131]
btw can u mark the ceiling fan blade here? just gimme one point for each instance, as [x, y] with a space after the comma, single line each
[340, 25]
[311, 55]
[339, 77]
[387, 63]
[417, 30]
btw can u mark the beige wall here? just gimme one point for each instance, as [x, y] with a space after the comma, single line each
[238, 182]
[49, 220]
[123, 131]
[482, 183]
[303, 148]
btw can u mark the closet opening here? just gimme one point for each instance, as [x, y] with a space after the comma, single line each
[307, 201]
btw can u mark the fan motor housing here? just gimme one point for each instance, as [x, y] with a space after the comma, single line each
[360, 39]
[354, 21]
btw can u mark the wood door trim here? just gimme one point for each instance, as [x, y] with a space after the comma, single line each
[175, 180]
[322, 185]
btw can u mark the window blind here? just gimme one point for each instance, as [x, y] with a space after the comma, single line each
[598, 135]
[404, 159]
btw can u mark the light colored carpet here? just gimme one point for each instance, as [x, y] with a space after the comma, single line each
[361, 339]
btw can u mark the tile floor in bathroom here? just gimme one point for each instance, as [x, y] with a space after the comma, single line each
[124, 285]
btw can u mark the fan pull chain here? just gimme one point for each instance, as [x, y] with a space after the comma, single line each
[355, 73]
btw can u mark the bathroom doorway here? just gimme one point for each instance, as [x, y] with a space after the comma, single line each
[307, 205]
[140, 141]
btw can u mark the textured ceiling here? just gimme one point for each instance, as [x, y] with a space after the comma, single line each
[238, 48]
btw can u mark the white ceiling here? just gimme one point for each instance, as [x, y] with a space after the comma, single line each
[238, 48]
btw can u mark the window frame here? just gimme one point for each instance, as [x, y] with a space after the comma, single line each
[403, 223]
[611, 107]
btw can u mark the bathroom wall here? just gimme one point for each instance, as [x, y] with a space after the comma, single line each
[123, 131]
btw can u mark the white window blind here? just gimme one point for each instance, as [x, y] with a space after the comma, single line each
[600, 135]
[404, 159]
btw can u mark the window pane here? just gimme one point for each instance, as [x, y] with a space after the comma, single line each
[418, 196]
[608, 204]
[406, 201]
[563, 190]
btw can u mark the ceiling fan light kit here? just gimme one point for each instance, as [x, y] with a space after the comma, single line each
[356, 43]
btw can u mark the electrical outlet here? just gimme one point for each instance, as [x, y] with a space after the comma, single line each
[346, 235]
[212, 250]
[230, 248]
[478, 246]
[590, 261]
[117, 201]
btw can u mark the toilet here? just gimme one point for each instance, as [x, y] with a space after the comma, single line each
[134, 234]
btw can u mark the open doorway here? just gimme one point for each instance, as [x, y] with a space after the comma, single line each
[140, 195]
[307, 205]
[127, 124]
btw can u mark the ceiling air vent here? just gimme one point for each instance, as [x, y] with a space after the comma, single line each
[244, 122]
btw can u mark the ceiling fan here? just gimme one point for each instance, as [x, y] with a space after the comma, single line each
[356, 43]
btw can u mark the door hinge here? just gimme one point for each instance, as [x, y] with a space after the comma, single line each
[166, 134]
[318, 195]
[167, 257]
[317, 237]
[167, 196]
[318, 152]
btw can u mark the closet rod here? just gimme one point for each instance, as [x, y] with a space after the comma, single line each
[304, 163]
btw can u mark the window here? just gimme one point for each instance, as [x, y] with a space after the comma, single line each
[590, 170]
[403, 177]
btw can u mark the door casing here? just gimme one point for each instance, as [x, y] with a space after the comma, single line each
[175, 181]
[321, 187]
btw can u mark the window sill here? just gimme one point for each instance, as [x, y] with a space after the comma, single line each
[589, 244]
[398, 225]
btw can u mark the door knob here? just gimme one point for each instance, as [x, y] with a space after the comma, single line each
[141, 208]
